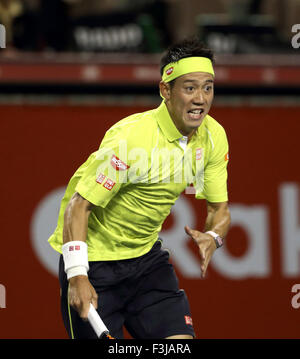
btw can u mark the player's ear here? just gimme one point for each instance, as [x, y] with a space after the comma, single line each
[164, 90]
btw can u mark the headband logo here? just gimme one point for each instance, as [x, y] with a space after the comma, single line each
[170, 70]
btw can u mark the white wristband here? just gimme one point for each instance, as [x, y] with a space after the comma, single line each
[75, 271]
[214, 234]
[218, 239]
[75, 258]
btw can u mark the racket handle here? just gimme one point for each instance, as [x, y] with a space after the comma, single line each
[97, 323]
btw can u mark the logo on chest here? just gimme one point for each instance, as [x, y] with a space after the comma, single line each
[118, 164]
[199, 154]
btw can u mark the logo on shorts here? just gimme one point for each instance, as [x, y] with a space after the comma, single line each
[188, 320]
[118, 164]
[227, 156]
[170, 70]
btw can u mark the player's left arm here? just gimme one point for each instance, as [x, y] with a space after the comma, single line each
[218, 221]
[218, 218]
[215, 192]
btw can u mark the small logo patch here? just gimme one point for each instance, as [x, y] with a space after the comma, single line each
[109, 184]
[170, 70]
[199, 152]
[227, 156]
[100, 178]
[188, 320]
[118, 164]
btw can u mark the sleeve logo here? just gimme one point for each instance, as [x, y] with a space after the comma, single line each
[118, 164]
[109, 184]
[100, 178]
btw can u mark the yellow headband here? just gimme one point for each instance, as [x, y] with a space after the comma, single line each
[186, 66]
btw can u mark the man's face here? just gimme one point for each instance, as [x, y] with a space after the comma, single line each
[189, 100]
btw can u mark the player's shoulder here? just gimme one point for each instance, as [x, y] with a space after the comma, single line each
[213, 125]
[136, 122]
[213, 129]
[136, 129]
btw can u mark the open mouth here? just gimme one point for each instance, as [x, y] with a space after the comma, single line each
[195, 114]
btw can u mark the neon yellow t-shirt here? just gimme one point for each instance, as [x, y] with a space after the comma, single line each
[142, 166]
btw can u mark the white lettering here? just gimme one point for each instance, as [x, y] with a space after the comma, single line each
[43, 224]
[109, 38]
[127, 349]
[296, 297]
[2, 296]
[2, 37]
[296, 38]
[290, 229]
[138, 172]
[166, 349]
[255, 263]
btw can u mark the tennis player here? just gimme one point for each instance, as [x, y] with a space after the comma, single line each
[116, 202]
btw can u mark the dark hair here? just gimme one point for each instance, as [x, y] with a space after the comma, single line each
[188, 47]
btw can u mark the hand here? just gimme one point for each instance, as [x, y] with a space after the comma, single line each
[206, 244]
[81, 294]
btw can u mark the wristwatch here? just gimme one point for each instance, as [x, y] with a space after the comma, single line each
[218, 239]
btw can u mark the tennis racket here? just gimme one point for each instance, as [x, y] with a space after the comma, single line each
[97, 324]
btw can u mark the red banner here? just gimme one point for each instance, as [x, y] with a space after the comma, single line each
[252, 288]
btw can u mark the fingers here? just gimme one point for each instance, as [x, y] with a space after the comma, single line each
[187, 229]
[94, 300]
[190, 232]
[85, 307]
[81, 306]
[81, 295]
[204, 267]
[203, 261]
[204, 264]
[205, 247]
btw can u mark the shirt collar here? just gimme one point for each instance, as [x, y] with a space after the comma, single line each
[166, 123]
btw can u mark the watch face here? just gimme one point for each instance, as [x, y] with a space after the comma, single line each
[219, 241]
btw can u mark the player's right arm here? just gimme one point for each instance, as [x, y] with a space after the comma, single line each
[81, 292]
[91, 190]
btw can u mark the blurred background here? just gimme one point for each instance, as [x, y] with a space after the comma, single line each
[70, 69]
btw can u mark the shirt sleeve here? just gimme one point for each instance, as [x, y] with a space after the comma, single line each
[215, 172]
[106, 172]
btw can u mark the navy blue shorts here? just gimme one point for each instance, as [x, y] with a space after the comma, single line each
[141, 294]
